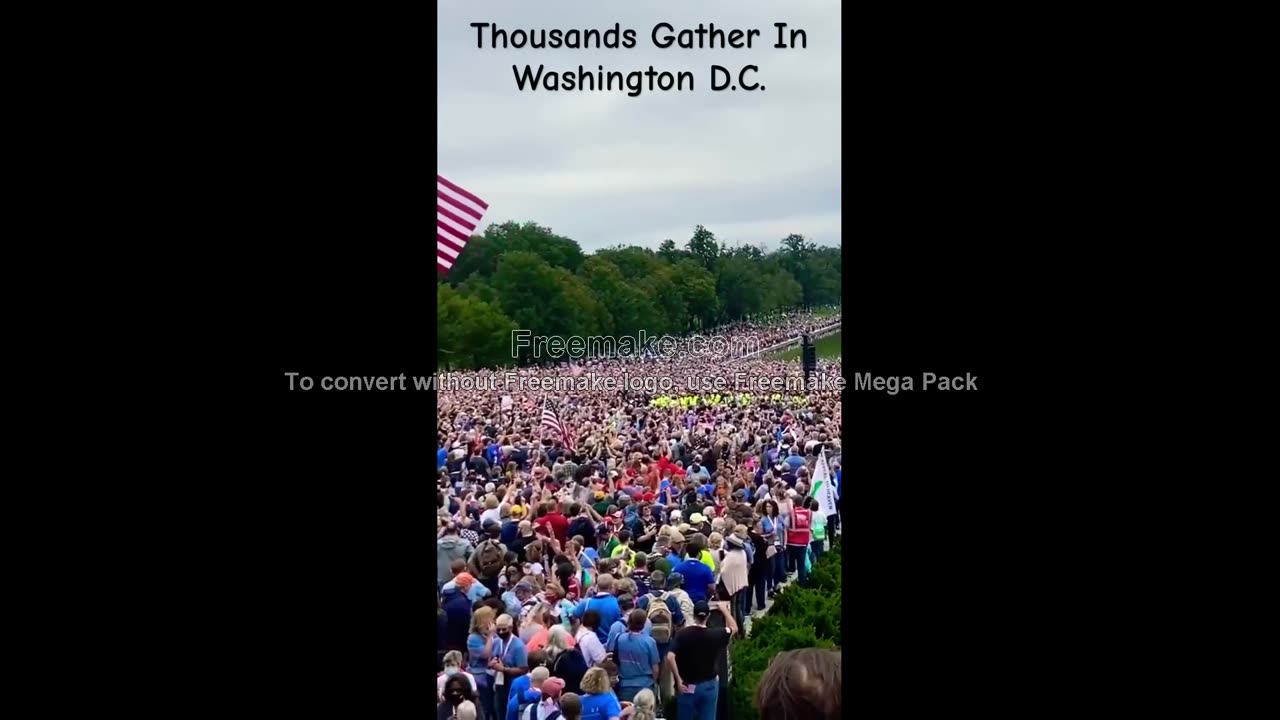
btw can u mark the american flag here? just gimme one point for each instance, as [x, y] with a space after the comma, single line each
[458, 212]
[551, 420]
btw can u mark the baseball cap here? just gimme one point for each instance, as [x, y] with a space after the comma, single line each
[552, 687]
[701, 609]
[696, 518]
[675, 580]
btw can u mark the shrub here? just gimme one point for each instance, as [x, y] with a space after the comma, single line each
[798, 618]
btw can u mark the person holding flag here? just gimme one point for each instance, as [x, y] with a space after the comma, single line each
[824, 493]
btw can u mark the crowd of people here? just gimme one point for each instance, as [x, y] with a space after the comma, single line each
[603, 572]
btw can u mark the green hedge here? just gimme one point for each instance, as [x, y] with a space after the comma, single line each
[799, 618]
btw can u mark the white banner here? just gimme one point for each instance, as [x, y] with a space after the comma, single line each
[824, 487]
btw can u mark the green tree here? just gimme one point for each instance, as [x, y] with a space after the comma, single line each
[703, 247]
[480, 257]
[546, 300]
[630, 307]
[471, 332]
[668, 251]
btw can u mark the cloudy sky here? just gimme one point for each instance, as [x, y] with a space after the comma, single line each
[603, 168]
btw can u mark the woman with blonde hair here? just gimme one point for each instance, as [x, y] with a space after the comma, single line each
[479, 652]
[534, 621]
[644, 707]
[715, 545]
[598, 699]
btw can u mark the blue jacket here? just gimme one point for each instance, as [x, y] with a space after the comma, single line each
[457, 610]
[519, 692]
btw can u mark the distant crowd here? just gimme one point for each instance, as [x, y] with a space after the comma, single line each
[603, 572]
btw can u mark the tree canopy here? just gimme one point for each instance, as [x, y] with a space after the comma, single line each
[525, 276]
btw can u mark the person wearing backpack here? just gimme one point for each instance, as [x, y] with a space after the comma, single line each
[487, 562]
[678, 595]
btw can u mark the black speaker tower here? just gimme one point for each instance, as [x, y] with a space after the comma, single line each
[809, 357]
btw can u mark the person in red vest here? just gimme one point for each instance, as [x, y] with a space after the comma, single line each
[798, 537]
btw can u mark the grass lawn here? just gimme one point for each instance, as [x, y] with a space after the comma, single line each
[826, 311]
[828, 346]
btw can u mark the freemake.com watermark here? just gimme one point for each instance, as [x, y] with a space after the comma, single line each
[577, 347]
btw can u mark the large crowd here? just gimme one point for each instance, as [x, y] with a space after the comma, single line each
[601, 572]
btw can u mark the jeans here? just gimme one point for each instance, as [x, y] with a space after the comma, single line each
[484, 708]
[701, 703]
[742, 608]
[817, 548]
[666, 683]
[797, 553]
[779, 568]
[628, 694]
[500, 701]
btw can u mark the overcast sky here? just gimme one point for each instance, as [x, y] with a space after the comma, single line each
[604, 168]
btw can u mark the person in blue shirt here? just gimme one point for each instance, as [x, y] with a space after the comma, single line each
[512, 662]
[598, 700]
[604, 603]
[698, 578]
[521, 687]
[637, 657]
[480, 646]
[442, 456]
[627, 604]
[795, 460]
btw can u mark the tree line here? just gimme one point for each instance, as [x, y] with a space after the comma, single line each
[525, 276]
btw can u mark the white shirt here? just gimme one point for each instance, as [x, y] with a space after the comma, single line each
[818, 520]
[590, 645]
[493, 515]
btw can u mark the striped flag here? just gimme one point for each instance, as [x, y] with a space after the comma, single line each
[458, 213]
[551, 420]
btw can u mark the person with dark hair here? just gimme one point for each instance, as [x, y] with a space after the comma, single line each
[587, 638]
[457, 693]
[692, 659]
[698, 578]
[761, 564]
[801, 685]
[775, 532]
[571, 706]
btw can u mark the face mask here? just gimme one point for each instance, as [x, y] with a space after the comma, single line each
[450, 671]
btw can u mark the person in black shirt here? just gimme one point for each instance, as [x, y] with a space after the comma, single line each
[525, 538]
[716, 621]
[692, 660]
[645, 529]
[583, 525]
